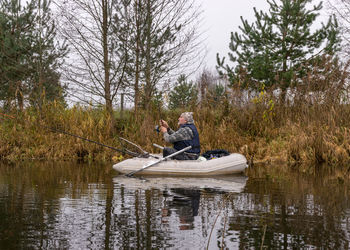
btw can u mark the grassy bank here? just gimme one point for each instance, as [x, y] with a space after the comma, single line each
[301, 135]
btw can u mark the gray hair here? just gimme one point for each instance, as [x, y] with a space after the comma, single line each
[188, 116]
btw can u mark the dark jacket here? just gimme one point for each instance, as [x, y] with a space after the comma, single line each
[194, 142]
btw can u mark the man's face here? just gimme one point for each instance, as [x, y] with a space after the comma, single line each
[182, 121]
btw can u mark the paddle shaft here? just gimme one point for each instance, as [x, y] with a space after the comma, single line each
[159, 161]
[158, 146]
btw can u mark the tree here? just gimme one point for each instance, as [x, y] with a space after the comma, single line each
[15, 46]
[162, 37]
[341, 8]
[212, 88]
[217, 93]
[96, 70]
[130, 17]
[48, 56]
[276, 49]
[29, 53]
[183, 95]
[205, 83]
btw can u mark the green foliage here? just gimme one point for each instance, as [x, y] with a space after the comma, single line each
[183, 95]
[216, 94]
[268, 103]
[29, 55]
[47, 55]
[15, 44]
[279, 45]
[157, 100]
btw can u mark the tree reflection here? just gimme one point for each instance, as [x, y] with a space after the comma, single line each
[296, 213]
[30, 195]
[185, 203]
[64, 206]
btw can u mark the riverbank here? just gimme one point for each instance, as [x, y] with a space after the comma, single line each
[302, 136]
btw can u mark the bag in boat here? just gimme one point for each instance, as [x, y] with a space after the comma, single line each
[216, 153]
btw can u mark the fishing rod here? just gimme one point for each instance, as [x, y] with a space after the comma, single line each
[98, 143]
[144, 154]
[157, 127]
[8, 116]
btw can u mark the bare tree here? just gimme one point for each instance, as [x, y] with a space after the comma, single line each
[341, 8]
[163, 40]
[95, 71]
[131, 19]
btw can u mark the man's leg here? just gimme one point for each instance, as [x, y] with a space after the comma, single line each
[168, 151]
[181, 157]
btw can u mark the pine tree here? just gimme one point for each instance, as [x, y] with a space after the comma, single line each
[275, 49]
[15, 46]
[29, 55]
[159, 37]
[47, 56]
[183, 95]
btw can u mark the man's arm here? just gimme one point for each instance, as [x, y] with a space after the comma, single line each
[181, 135]
[170, 131]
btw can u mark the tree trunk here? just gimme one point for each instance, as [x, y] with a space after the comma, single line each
[106, 64]
[19, 96]
[148, 86]
[122, 105]
[137, 58]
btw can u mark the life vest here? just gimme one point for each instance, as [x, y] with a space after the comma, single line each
[194, 142]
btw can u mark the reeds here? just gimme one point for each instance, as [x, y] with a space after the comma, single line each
[299, 135]
[308, 130]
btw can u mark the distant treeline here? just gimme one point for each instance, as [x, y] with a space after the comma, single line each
[96, 52]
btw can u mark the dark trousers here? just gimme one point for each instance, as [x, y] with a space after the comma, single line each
[182, 156]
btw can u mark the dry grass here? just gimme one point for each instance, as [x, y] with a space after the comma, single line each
[311, 131]
[302, 138]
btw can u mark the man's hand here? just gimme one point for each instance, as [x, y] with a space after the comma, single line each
[163, 129]
[164, 124]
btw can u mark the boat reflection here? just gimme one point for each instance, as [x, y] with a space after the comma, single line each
[181, 195]
[230, 183]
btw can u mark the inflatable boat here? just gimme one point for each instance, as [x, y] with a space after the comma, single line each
[231, 164]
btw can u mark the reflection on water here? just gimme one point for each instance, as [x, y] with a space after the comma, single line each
[185, 203]
[71, 206]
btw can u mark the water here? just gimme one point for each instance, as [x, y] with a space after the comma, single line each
[80, 206]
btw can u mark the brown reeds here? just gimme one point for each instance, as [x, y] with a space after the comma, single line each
[303, 138]
[310, 129]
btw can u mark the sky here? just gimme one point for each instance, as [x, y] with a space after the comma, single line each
[220, 18]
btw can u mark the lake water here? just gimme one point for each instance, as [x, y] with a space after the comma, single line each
[81, 206]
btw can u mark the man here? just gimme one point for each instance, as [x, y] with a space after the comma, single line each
[186, 135]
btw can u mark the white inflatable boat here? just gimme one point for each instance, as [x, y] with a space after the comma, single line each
[231, 164]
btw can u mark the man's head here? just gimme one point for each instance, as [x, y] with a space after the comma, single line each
[186, 117]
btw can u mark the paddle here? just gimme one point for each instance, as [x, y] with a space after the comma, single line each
[158, 146]
[156, 162]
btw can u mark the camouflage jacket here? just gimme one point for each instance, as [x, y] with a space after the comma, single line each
[181, 134]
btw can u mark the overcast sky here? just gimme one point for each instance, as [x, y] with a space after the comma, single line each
[222, 17]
